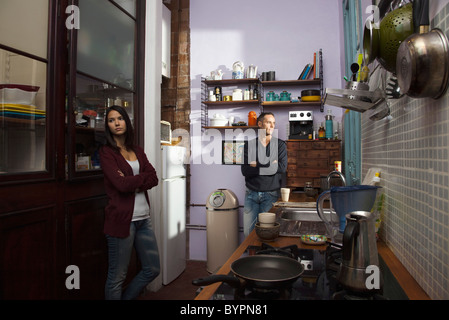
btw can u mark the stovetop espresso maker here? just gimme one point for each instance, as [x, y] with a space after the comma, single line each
[359, 270]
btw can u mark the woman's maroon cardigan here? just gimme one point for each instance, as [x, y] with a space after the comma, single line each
[121, 190]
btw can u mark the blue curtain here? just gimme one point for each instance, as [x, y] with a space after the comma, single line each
[352, 130]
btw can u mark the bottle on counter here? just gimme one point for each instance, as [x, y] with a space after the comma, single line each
[336, 134]
[329, 124]
[246, 95]
[321, 132]
[255, 93]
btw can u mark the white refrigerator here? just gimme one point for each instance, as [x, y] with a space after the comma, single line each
[173, 213]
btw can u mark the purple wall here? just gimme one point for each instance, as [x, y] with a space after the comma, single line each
[277, 35]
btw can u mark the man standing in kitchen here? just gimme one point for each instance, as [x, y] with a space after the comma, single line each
[265, 162]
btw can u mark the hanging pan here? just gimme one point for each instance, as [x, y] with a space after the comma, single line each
[422, 61]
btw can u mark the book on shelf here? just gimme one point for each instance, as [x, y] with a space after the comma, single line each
[317, 59]
[307, 73]
[303, 71]
[312, 68]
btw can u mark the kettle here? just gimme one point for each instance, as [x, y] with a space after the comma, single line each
[238, 70]
[285, 96]
[360, 252]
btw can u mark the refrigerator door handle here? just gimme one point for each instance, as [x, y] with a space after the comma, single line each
[173, 179]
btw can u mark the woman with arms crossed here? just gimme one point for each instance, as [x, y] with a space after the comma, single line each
[127, 175]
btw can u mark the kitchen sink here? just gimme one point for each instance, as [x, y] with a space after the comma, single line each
[295, 222]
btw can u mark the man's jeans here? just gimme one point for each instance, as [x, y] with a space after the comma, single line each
[255, 203]
[143, 239]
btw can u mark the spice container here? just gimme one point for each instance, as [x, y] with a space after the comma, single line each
[321, 132]
[252, 119]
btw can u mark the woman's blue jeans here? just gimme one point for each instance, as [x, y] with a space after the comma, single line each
[255, 203]
[143, 239]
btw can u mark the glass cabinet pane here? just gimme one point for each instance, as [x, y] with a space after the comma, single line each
[128, 5]
[105, 45]
[24, 25]
[92, 99]
[23, 113]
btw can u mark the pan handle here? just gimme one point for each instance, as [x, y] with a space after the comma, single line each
[422, 15]
[231, 280]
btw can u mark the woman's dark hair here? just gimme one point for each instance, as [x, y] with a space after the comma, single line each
[129, 139]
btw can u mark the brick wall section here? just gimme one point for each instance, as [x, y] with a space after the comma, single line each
[175, 94]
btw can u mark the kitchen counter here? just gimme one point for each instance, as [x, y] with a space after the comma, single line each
[403, 277]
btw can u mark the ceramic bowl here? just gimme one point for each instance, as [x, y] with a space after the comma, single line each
[267, 218]
[267, 233]
[218, 122]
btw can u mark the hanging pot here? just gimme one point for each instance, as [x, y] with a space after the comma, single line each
[423, 60]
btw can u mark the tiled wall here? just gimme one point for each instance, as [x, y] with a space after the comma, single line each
[412, 149]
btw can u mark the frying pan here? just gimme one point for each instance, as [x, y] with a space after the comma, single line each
[259, 271]
[422, 62]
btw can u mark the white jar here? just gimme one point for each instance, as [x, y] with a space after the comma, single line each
[212, 96]
[237, 95]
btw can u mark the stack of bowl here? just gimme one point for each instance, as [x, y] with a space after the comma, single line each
[267, 228]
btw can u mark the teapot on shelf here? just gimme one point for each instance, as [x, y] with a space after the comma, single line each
[285, 96]
[216, 75]
[271, 96]
[238, 70]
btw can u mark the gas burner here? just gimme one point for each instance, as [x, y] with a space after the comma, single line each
[316, 282]
[263, 294]
[289, 251]
[349, 295]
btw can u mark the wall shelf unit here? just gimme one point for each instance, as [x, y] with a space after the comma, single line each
[207, 85]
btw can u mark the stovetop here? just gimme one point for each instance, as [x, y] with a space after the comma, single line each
[318, 281]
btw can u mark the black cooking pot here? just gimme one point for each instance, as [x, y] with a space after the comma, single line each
[310, 92]
[259, 271]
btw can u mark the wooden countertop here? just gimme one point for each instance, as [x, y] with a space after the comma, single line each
[406, 281]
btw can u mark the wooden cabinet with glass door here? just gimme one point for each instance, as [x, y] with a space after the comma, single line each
[92, 99]
[23, 114]
[102, 75]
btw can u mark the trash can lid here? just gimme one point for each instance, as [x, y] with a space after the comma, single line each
[223, 199]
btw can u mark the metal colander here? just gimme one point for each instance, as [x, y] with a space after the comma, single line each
[395, 27]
